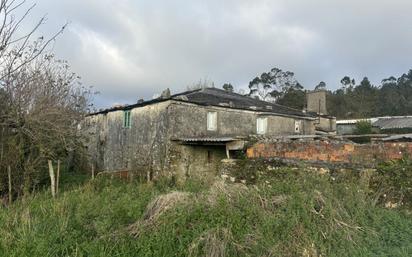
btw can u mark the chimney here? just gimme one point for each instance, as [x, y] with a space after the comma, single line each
[316, 101]
[165, 94]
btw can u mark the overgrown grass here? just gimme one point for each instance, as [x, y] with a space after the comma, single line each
[286, 213]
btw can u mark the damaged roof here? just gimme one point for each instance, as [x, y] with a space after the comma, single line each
[396, 122]
[221, 98]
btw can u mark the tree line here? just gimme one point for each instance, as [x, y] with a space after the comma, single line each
[393, 96]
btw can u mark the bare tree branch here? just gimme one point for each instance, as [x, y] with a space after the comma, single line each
[41, 100]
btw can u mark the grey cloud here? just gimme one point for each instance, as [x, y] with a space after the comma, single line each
[130, 49]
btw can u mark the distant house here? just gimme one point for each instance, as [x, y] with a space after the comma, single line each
[394, 124]
[387, 125]
[190, 132]
[348, 127]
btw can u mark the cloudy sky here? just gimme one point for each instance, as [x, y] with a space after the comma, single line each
[131, 49]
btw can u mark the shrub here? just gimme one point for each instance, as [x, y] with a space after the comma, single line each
[392, 183]
[363, 127]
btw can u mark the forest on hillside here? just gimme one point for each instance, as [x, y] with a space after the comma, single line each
[393, 96]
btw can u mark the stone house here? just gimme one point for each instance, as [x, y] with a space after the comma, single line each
[187, 133]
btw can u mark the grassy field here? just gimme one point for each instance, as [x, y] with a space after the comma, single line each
[288, 212]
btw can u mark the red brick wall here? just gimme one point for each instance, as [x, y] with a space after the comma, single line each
[331, 151]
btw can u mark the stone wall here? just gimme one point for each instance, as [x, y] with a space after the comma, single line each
[195, 161]
[327, 124]
[331, 151]
[189, 120]
[113, 147]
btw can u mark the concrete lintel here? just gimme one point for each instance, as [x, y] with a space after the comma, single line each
[234, 145]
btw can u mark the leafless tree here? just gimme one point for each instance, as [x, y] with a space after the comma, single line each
[41, 101]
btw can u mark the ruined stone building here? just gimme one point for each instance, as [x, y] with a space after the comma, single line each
[191, 131]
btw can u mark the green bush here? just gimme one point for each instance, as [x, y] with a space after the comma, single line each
[363, 127]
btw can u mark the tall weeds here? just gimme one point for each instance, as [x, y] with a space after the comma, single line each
[285, 213]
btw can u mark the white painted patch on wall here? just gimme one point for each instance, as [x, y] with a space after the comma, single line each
[212, 121]
[261, 125]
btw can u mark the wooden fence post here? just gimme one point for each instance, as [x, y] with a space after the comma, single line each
[92, 171]
[10, 189]
[58, 177]
[52, 179]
